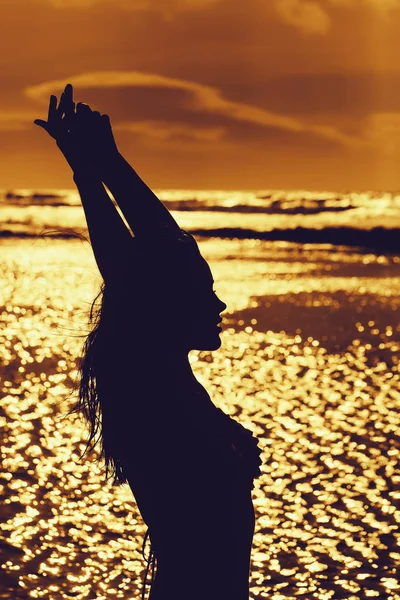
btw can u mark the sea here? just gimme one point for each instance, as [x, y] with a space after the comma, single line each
[309, 362]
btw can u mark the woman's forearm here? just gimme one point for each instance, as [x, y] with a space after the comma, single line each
[142, 209]
[109, 236]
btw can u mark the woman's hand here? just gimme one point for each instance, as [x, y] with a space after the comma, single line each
[58, 117]
[96, 136]
[84, 136]
[59, 126]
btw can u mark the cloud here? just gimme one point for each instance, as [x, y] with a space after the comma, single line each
[326, 96]
[198, 99]
[15, 120]
[166, 131]
[382, 131]
[163, 6]
[80, 4]
[308, 16]
[382, 6]
[311, 18]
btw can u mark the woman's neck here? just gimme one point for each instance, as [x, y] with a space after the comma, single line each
[178, 370]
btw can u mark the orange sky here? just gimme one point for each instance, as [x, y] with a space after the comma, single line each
[210, 93]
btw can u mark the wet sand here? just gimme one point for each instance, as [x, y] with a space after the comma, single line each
[309, 362]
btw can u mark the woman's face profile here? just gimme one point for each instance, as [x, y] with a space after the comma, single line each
[201, 310]
[179, 305]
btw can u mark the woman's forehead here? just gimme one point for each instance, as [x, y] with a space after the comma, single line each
[208, 270]
[200, 272]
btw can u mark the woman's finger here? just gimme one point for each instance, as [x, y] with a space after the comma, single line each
[68, 91]
[105, 121]
[52, 107]
[60, 110]
[69, 104]
[42, 123]
[66, 106]
[81, 107]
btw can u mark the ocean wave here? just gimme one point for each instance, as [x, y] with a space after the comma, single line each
[278, 202]
[185, 206]
[276, 207]
[378, 239]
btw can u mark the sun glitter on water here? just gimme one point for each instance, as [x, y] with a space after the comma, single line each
[309, 362]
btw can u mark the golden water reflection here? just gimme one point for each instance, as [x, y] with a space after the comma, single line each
[326, 412]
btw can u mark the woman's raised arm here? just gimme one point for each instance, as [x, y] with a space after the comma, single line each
[110, 238]
[144, 212]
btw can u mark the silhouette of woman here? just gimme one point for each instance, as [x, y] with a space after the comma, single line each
[189, 465]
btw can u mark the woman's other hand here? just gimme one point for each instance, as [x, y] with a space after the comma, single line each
[96, 136]
[84, 136]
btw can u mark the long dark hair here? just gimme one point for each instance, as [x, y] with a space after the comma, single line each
[137, 286]
[91, 403]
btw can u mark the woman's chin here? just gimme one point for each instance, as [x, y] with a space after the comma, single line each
[211, 343]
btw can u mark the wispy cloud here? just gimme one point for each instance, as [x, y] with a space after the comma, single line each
[163, 6]
[381, 6]
[311, 17]
[166, 131]
[198, 99]
[11, 120]
[306, 15]
[77, 3]
[382, 131]
[298, 11]
[384, 5]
